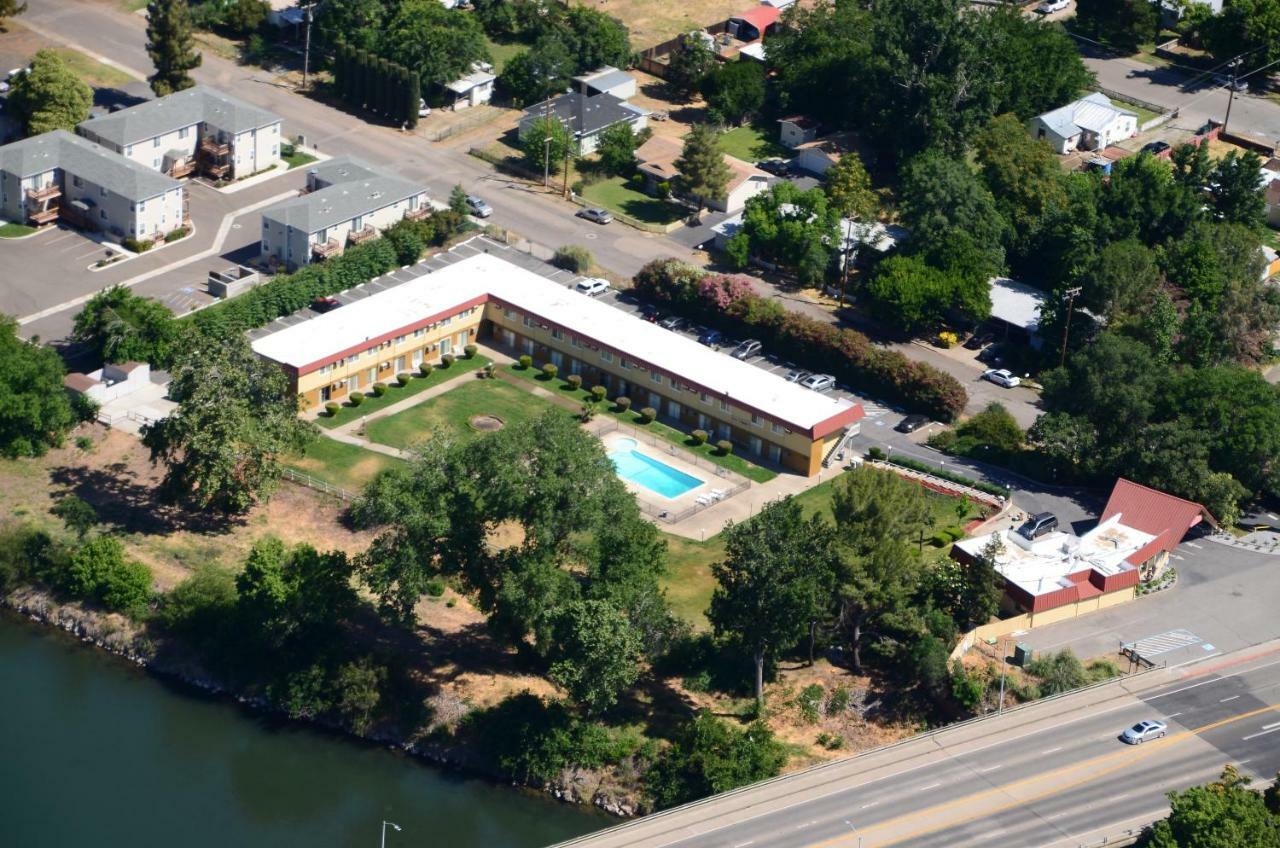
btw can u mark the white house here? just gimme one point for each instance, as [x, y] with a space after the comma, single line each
[473, 89]
[796, 130]
[818, 155]
[656, 160]
[1090, 123]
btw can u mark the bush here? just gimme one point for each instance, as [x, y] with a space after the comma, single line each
[99, 571]
[709, 756]
[876, 454]
[355, 398]
[598, 393]
[435, 587]
[724, 447]
[699, 437]
[572, 258]
[647, 414]
[926, 468]
[622, 403]
[470, 351]
[136, 246]
[174, 235]
[424, 369]
[447, 360]
[331, 408]
[403, 378]
[526, 362]
[379, 389]
[1060, 672]
[549, 371]
[574, 381]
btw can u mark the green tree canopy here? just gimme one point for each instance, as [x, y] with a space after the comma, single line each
[9, 8]
[1024, 178]
[119, 326]
[1224, 814]
[848, 189]
[35, 413]
[794, 228]
[76, 513]
[538, 73]
[709, 756]
[941, 196]
[617, 148]
[703, 172]
[734, 91]
[171, 46]
[1124, 24]
[595, 653]
[687, 65]
[100, 571]
[546, 144]
[440, 44]
[1247, 28]
[50, 96]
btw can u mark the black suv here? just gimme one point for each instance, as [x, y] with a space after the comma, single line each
[1040, 524]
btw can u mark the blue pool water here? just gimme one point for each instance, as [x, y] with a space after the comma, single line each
[648, 472]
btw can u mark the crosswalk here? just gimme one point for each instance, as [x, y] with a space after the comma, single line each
[1163, 643]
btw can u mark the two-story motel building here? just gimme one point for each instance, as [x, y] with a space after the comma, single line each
[487, 298]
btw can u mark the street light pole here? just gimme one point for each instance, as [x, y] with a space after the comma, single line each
[1231, 94]
[855, 832]
[384, 831]
[306, 49]
[1071, 294]
[1004, 662]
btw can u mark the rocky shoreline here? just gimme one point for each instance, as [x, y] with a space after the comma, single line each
[116, 635]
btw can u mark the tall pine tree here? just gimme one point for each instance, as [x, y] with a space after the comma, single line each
[171, 46]
[703, 172]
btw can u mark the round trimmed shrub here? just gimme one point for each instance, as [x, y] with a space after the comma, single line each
[447, 360]
[424, 369]
[526, 362]
[724, 447]
[623, 403]
[379, 389]
[550, 371]
[356, 398]
[574, 381]
[875, 453]
[331, 408]
[598, 392]
[648, 414]
[488, 370]
[469, 351]
[403, 378]
[699, 437]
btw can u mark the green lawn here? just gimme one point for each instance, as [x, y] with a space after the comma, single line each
[372, 403]
[447, 415]
[708, 451]
[340, 464]
[614, 194]
[92, 71]
[15, 230]
[751, 145]
[297, 159]
[502, 53]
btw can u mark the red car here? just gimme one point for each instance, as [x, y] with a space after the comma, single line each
[325, 304]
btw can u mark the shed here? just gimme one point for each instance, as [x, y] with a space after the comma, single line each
[607, 80]
[754, 24]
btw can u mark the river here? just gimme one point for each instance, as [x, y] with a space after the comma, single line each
[94, 751]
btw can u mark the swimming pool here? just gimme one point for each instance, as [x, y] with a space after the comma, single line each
[646, 471]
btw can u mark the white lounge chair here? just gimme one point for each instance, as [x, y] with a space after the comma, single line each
[703, 500]
[719, 494]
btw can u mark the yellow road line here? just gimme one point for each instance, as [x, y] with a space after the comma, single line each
[1124, 758]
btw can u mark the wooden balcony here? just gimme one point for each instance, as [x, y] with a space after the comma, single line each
[40, 195]
[419, 213]
[210, 146]
[326, 249]
[217, 170]
[43, 216]
[182, 169]
[362, 235]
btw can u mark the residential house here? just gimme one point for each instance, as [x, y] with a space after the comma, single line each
[346, 201]
[60, 176]
[1090, 123]
[606, 80]
[473, 89]
[199, 129]
[285, 13]
[817, 156]
[586, 117]
[656, 160]
[1016, 309]
[485, 297]
[754, 24]
[796, 130]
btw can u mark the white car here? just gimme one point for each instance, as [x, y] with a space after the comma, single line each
[592, 286]
[478, 207]
[1002, 377]
[1144, 730]
[423, 109]
[819, 382]
[1048, 7]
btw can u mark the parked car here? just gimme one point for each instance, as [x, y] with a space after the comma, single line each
[711, 338]
[978, 341]
[912, 423]
[325, 304]
[1225, 81]
[598, 216]
[1048, 7]
[777, 166]
[1040, 524]
[747, 349]
[1002, 377]
[423, 109]
[819, 382]
[1155, 148]
[795, 375]
[1142, 731]
[592, 286]
[992, 354]
[650, 313]
[673, 323]
[478, 207]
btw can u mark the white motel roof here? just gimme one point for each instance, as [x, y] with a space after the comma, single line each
[484, 277]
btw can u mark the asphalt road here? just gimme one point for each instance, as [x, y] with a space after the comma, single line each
[1051, 774]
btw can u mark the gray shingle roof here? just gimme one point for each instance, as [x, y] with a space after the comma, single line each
[584, 115]
[367, 191]
[181, 109]
[341, 169]
[83, 158]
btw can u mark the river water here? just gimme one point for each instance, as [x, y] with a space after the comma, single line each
[94, 751]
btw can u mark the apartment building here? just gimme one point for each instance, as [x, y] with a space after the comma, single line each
[61, 176]
[346, 201]
[199, 130]
[485, 297]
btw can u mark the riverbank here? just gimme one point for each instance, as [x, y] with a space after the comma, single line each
[117, 635]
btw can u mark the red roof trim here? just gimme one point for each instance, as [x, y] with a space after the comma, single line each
[761, 17]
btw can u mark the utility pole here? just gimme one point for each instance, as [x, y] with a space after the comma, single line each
[1231, 93]
[1071, 295]
[306, 49]
[546, 146]
[1004, 661]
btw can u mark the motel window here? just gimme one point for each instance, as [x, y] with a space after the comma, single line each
[625, 363]
[655, 377]
[445, 321]
[182, 133]
[755, 420]
[607, 356]
[557, 334]
[371, 351]
[420, 332]
[446, 345]
[724, 405]
[510, 313]
[576, 342]
[528, 322]
[399, 339]
[155, 142]
[704, 397]
[777, 428]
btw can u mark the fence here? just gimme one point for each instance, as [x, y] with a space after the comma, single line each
[111, 420]
[1145, 104]
[600, 426]
[480, 115]
[319, 485]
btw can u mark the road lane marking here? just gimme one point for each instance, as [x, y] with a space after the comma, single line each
[1052, 750]
[1173, 715]
[1224, 700]
[1116, 760]
[745, 844]
[1266, 728]
[868, 806]
[930, 786]
[989, 768]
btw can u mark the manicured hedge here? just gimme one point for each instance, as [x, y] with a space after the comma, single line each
[926, 468]
[729, 304]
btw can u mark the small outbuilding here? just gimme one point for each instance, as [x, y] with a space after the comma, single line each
[473, 89]
[607, 80]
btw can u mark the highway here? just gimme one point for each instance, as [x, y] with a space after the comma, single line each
[1049, 774]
